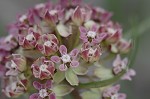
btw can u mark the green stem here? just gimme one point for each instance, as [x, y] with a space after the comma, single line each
[103, 83]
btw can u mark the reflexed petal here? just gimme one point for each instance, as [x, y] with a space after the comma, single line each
[122, 96]
[80, 70]
[94, 28]
[62, 90]
[125, 61]
[63, 67]
[71, 77]
[48, 84]
[83, 30]
[63, 49]
[117, 61]
[34, 96]
[77, 17]
[74, 52]
[37, 85]
[74, 63]
[52, 96]
[55, 59]
[128, 75]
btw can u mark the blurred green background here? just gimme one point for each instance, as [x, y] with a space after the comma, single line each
[131, 14]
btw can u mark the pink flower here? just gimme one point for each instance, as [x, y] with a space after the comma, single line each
[90, 53]
[119, 65]
[47, 44]
[91, 35]
[8, 43]
[129, 74]
[67, 3]
[81, 15]
[28, 38]
[16, 64]
[53, 16]
[45, 91]
[43, 68]
[101, 15]
[14, 86]
[112, 93]
[124, 46]
[67, 60]
[113, 30]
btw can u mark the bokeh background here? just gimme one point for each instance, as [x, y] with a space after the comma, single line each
[131, 14]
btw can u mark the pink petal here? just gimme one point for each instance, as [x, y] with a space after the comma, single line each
[83, 30]
[55, 59]
[52, 96]
[117, 61]
[34, 96]
[63, 67]
[117, 70]
[48, 84]
[94, 28]
[116, 88]
[74, 63]
[74, 52]
[63, 49]
[122, 96]
[37, 85]
[125, 61]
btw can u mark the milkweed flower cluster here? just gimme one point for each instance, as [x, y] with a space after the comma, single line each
[53, 47]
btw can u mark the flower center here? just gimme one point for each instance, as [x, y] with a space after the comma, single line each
[91, 51]
[43, 93]
[66, 58]
[115, 96]
[43, 67]
[30, 37]
[13, 64]
[48, 43]
[91, 34]
[53, 12]
[22, 18]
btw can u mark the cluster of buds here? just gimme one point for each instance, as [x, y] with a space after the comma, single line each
[51, 45]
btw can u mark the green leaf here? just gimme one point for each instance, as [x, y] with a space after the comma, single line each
[59, 76]
[71, 77]
[62, 90]
[103, 73]
[80, 70]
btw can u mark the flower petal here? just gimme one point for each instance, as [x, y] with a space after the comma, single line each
[52, 96]
[74, 63]
[34, 96]
[63, 49]
[37, 85]
[55, 59]
[74, 52]
[63, 67]
[48, 84]
[117, 61]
